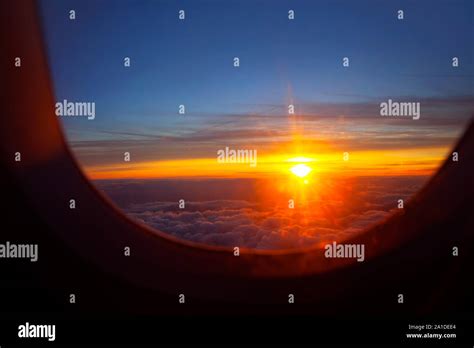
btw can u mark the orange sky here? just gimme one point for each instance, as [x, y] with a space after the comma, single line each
[419, 161]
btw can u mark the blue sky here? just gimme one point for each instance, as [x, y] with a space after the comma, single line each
[190, 62]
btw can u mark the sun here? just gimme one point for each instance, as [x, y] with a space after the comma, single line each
[300, 170]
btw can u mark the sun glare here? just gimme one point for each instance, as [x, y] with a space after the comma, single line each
[300, 170]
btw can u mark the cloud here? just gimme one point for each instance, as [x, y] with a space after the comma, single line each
[253, 225]
[343, 125]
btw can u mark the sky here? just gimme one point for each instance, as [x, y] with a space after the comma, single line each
[282, 62]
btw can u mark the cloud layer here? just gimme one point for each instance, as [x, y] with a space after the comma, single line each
[238, 222]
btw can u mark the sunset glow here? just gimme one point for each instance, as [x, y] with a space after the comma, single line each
[376, 162]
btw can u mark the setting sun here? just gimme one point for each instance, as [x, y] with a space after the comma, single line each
[300, 170]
